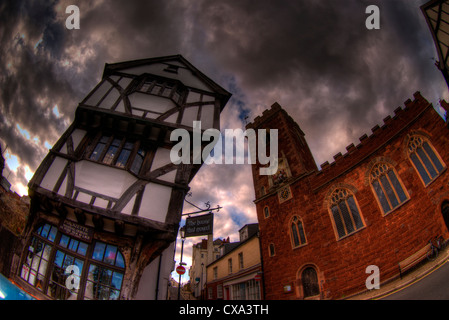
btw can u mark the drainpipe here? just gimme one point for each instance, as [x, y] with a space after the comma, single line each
[158, 275]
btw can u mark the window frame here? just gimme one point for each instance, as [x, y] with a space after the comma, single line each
[271, 250]
[230, 266]
[423, 165]
[266, 212]
[342, 195]
[163, 87]
[296, 224]
[57, 246]
[241, 261]
[136, 152]
[385, 193]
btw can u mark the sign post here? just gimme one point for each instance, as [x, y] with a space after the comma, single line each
[180, 270]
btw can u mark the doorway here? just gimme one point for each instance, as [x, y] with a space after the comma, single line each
[309, 280]
[445, 213]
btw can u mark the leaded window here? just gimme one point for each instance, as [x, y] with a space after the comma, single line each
[65, 268]
[345, 212]
[118, 152]
[164, 88]
[425, 159]
[297, 233]
[387, 187]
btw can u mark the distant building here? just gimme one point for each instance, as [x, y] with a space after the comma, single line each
[379, 203]
[200, 259]
[5, 185]
[106, 201]
[237, 273]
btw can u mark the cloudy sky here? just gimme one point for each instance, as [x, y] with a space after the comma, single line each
[316, 58]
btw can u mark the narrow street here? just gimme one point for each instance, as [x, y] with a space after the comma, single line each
[434, 286]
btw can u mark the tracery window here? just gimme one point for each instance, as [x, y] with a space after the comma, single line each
[65, 268]
[387, 187]
[424, 158]
[297, 233]
[345, 212]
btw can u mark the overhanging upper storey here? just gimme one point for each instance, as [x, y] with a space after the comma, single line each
[114, 162]
[166, 89]
[436, 13]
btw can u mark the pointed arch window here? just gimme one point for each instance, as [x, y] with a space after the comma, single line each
[387, 187]
[425, 159]
[297, 234]
[345, 212]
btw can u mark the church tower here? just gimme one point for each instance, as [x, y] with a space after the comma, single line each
[106, 201]
[294, 157]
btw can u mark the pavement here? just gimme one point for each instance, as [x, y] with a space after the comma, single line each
[409, 278]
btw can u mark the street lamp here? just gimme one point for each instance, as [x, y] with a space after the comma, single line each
[182, 232]
[201, 285]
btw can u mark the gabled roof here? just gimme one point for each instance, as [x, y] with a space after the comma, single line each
[177, 60]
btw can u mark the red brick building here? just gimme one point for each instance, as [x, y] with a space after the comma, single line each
[377, 204]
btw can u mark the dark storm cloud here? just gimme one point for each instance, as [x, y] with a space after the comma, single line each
[28, 77]
[320, 61]
[316, 58]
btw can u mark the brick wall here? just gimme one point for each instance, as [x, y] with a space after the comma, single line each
[384, 240]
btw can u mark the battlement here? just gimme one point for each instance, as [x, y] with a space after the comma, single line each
[380, 134]
[266, 114]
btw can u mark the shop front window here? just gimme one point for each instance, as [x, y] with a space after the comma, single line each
[65, 268]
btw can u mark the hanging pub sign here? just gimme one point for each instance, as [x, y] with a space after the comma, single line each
[199, 226]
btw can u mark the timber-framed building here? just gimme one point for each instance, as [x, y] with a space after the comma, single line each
[106, 201]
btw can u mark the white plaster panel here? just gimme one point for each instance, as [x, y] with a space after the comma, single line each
[110, 99]
[102, 179]
[148, 280]
[169, 177]
[99, 93]
[150, 102]
[129, 207]
[155, 202]
[63, 187]
[190, 115]
[207, 117]
[161, 158]
[53, 173]
[77, 136]
[172, 118]
[193, 97]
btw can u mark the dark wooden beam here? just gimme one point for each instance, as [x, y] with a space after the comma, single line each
[80, 216]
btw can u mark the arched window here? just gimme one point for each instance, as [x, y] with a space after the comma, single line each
[424, 158]
[271, 250]
[345, 212]
[388, 189]
[266, 212]
[297, 233]
[445, 212]
[309, 281]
